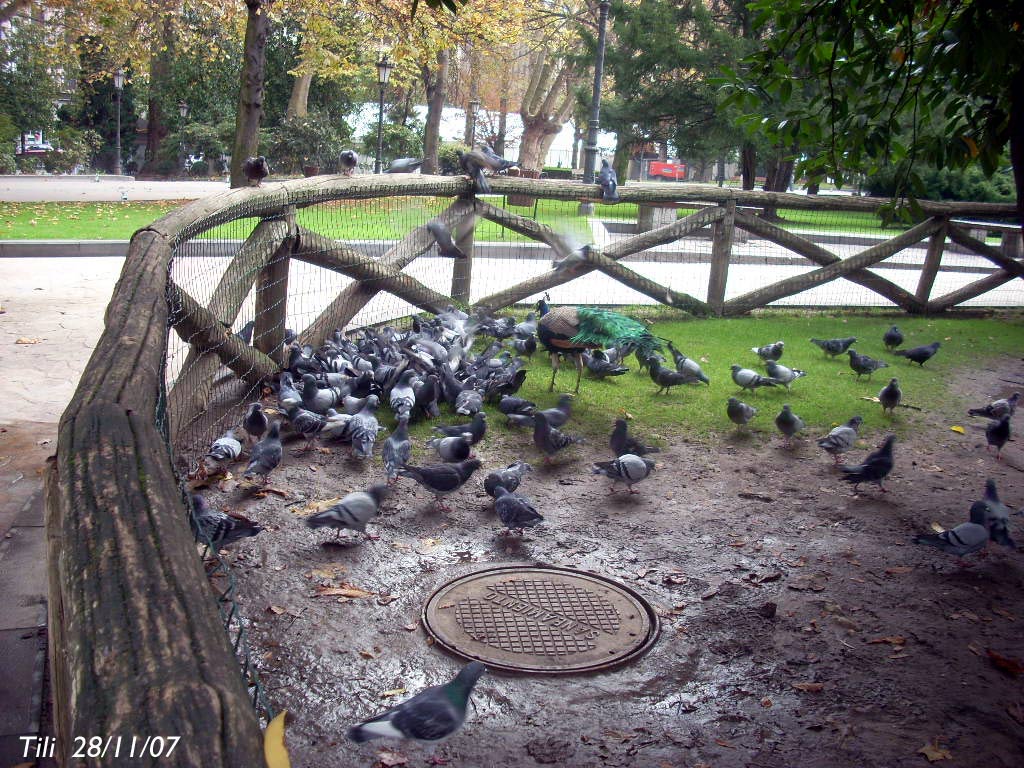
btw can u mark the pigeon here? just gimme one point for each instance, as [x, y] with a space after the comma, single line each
[287, 395]
[919, 355]
[876, 467]
[997, 408]
[997, 517]
[219, 528]
[468, 402]
[892, 338]
[559, 414]
[511, 404]
[548, 439]
[477, 427]
[600, 366]
[890, 395]
[224, 449]
[432, 715]
[788, 424]
[442, 479]
[862, 364]
[364, 428]
[403, 398]
[515, 511]
[628, 468]
[316, 399]
[337, 426]
[609, 182]
[397, 450]
[266, 454]
[997, 433]
[771, 351]
[347, 162]
[527, 327]
[622, 443]
[665, 378]
[453, 448]
[508, 478]
[473, 164]
[841, 439]
[255, 422]
[748, 379]
[577, 256]
[256, 170]
[352, 512]
[497, 160]
[739, 412]
[306, 423]
[962, 540]
[833, 347]
[404, 165]
[780, 374]
[445, 245]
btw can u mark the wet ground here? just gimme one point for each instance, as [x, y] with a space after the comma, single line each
[800, 625]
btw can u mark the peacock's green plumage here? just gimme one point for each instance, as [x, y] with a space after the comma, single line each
[602, 327]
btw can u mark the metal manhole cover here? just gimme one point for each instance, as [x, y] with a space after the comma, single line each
[545, 620]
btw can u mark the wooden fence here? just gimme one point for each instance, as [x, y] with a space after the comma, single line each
[137, 644]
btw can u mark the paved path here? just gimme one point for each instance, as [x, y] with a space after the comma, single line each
[108, 188]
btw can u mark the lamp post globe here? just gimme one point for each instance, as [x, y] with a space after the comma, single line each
[384, 67]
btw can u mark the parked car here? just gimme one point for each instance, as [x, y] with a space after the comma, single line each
[35, 148]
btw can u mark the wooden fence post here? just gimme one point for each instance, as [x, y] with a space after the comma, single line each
[272, 297]
[721, 250]
[462, 271]
[931, 262]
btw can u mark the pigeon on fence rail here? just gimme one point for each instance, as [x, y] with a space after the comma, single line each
[508, 478]
[442, 479]
[841, 439]
[473, 164]
[609, 181]
[432, 715]
[964, 539]
[548, 439]
[453, 449]
[628, 468]
[739, 413]
[445, 244]
[404, 165]
[997, 516]
[780, 374]
[771, 351]
[256, 170]
[220, 528]
[348, 161]
[919, 355]
[862, 364]
[748, 379]
[833, 347]
[397, 450]
[788, 423]
[997, 408]
[515, 511]
[352, 512]
[688, 366]
[266, 454]
[255, 422]
[499, 163]
[997, 433]
[666, 378]
[223, 450]
[890, 395]
[874, 469]
[892, 338]
[621, 442]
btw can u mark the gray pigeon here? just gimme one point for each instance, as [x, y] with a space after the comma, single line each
[892, 338]
[527, 327]
[771, 351]
[218, 527]
[477, 427]
[306, 423]
[453, 448]
[919, 355]
[890, 395]
[997, 408]
[997, 433]
[997, 517]
[841, 439]
[748, 379]
[559, 414]
[515, 511]
[876, 467]
[432, 715]
[548, 439]
[287, 395]
[666, 378]
[445, 245]
[266, 454]
[442, 479]
[833, 347]
[628, 468]
[788, 423]
[621, 442]
[962, 540]
[224, 450]
[609, 181]
[780, 374]
[255, 422]
[497, 160]
[402, 397]
[404, 165]
[397, 450]
[862, 364]
[473, 164]
[468, 402]
[256, 170]
[600, 366]
[337, 426]
[352, 512]
[364, 428]
[348, 161]
[739, 412]
[316, 399]
[508, 478]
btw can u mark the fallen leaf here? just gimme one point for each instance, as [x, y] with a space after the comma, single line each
[393, 692]
[973, 648]
[890, 639]
[958, 429]
[327, 571]
[274, 750]
[934, 752]
[388, 758]
[724, 743]
[809, 687]
[766, 703]
[276, 609]
[411, 627]
[385, 599]
[368, 654]
[27, 340]
[937, 528]
[312, 507]
[345, 590]
[1007, 664]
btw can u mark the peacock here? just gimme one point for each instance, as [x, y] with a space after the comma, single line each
[571, 330]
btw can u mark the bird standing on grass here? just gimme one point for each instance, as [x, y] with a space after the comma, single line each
[748, 379]
[739, 413]
[780, 374]
[875, 469]
[833, 347]
[890, 395]
[892, 338]
[771, 351]
[919, 355]
[862, 364]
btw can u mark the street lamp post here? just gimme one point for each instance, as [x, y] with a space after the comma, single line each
[118, 85]
[182, 157]
[590, 162]
[384, 68]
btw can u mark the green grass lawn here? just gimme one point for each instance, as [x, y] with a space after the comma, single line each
[78, 221]
[828, 395]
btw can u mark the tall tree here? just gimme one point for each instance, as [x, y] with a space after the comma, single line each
[250, 92]
[27, 87]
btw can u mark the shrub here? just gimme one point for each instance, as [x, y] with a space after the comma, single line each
[447, 160]
[316, 139]
[200, 169]
[968, 184]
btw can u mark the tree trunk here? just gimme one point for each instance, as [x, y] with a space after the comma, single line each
[298, 102]
[748, 164]
[778, 173]
[250, 95]
[159, 74]
[434, 82]
[577, 137]
[546, 106]
[499, 141]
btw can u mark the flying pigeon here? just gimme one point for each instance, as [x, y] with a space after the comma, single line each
[515, 511]
[628, 468]
[442, 479]
[352, 512]
[997, 408]
[771, 351]
[548, 439]
[266, 454]
[453, 448]
[890, 395]
[404, 165]
[609, 182]
[432, 715]
[997, 433]
[508, 478]
[841, 439]
[397, 450]
[962, 540]
[788, 423]
[748, 379]
[892, 338]
[833, 347]
[919, 355]
[348, 161]
[739, 412]
[997, 517]
[876, 467]
[862, 364]
[445, 245]
[780, 374]
[622, 443]
[256, 170]
[218, 527]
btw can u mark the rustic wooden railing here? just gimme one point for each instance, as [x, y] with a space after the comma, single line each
[137, 645]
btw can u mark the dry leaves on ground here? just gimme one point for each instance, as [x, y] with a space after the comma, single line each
[934, 752]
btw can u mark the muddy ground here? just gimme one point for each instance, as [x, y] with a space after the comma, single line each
[800, 625]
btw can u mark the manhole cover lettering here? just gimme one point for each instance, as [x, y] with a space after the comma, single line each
[551, 620]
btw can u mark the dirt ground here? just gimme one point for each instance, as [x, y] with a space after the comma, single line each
[800, 625]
